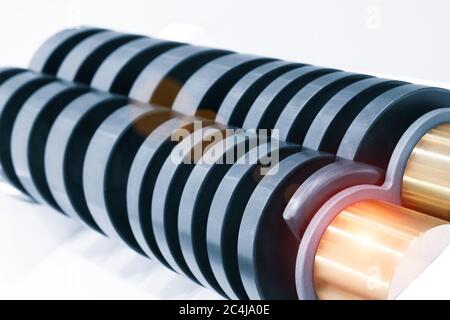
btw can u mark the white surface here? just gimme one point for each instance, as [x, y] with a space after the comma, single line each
[44, 255]
[407, 38]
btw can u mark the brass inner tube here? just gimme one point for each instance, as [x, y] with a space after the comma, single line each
[374, 250]
[426, 180]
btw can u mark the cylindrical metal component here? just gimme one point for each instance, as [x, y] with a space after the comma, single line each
[373, 250]
[426, 181]
[346, 152]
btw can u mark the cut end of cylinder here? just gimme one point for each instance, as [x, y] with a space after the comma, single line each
[374, 250]
[426, 180]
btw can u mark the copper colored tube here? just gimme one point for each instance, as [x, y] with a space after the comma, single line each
[426, 181]
[374, 250]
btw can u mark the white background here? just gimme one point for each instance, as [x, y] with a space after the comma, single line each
[44, 255]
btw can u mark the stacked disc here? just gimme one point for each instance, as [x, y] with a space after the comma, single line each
[106, 126]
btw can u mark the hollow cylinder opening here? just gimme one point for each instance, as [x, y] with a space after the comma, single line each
[374, 250]
[426, 180]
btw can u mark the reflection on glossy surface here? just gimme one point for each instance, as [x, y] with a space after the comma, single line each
[426, 181]
[374, 250]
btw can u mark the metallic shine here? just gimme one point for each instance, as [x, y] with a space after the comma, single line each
[426, 181]
[373, 250]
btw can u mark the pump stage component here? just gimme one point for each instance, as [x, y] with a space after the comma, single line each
[30, 133]
[323, 222]
[108, 162]
[227, 209]
[373, 216]
[168, 191]
[13, 94]
[144, 171]
[66, 149]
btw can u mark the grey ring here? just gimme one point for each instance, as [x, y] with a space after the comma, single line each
[13, 94]
[78, 55]
[60, 154]
[7, 73]
[196, 201]
[219, 74]
[50, 54]
[143, 174]
[329, 126]
[321, 186]
[30, 134]
[239, 99]
[226, 212]
[376, 130]
[166, 197]
[156, 73]
[265, 243]
[296, 118]
[266, 109]
[117, 130]
[110, 68]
